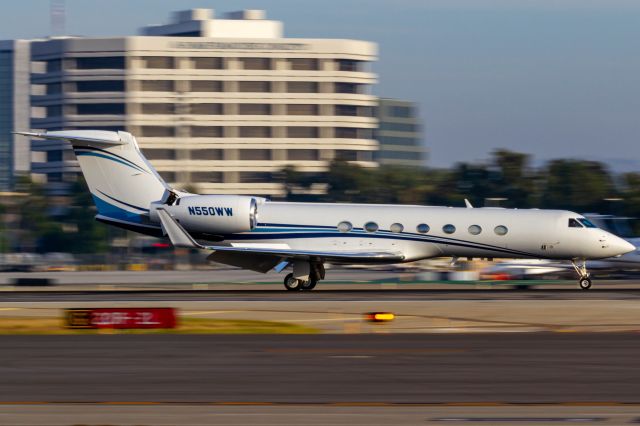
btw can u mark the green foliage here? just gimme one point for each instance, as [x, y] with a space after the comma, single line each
[582, 186]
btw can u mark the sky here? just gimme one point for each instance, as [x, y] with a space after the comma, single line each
[552, 78]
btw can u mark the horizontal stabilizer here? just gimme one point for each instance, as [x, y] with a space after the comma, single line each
[93, 137]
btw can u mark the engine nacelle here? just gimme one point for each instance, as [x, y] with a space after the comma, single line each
[213, 214]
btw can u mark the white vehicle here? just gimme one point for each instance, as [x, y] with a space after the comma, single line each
[258, 234]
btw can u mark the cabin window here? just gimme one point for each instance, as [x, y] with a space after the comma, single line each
[423, 228]
[371, 227]
[586, 222]
[501, 230]
[475, 229]
[396, 227]
[449, 229]
[574, 224]
[345, 226]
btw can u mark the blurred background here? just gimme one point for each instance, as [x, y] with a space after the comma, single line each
[368, 102]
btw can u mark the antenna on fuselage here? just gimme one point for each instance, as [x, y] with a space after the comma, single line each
[468, 204]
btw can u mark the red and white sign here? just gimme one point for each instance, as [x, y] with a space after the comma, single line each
[122, 318]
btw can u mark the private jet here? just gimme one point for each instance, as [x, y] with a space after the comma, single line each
[258, 234]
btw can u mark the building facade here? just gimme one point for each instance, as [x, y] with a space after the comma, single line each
[14, 111]
[399, 134]
[210, 109]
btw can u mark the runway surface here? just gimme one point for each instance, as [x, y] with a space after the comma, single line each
[322, 369]
[363, 292]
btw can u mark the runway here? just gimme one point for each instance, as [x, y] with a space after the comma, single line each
[352, 292]
[494, 368]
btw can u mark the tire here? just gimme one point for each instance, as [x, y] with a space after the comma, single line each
[292, 284]
[309, 285]
[585, 283]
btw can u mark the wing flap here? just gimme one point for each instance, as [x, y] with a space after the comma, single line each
[180, 238]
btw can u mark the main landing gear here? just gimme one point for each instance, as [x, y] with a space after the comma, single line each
[584, 277]
[304, 277]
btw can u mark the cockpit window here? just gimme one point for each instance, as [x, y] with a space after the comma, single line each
[573, 223]
[586, 223]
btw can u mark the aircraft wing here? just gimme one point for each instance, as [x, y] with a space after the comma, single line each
[262, 259]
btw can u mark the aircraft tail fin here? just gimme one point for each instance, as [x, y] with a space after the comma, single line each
[121, 180]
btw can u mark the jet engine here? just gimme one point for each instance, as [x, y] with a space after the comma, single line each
[213, 214]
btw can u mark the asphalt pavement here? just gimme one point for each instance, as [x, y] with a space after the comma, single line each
[498, 368]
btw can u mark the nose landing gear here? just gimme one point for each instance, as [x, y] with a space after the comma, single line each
[584, 277]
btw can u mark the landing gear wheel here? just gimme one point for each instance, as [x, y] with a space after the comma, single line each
[291, 283]
[585, 283]
[309, 285]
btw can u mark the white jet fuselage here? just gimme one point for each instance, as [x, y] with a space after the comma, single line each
[529, 233]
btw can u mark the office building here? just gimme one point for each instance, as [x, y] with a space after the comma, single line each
[221, 105]
[399, 134]
[14, 111]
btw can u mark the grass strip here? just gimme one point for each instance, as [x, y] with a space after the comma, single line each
[35, 326]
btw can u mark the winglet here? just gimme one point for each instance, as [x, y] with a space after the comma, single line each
[177, 234]
[468, 204]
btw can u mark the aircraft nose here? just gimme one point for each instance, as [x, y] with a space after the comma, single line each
[620, 246]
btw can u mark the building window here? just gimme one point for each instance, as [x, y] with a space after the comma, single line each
[160, 154]
[254, 109]
[399, 155]
[206, 109]
[354, 88]
[157, 131]
[302, 132]
[206, 132]
[54, 110]
[100, 109]
[254, 177]
[206, 154]
[206, 86]
[168, 176]
[398, 127]
[349, 65]
[159, 62]
[158, 108]
[353, 110]
[101, 63]
[254, 154]
[255, 63]
[423, 228]
[100, 86]
[304, 64]
[207, 63]
[210, 177]
[303, 155]
[345, 155]
[302, 109]
[409, 141]
[400, 111]
[255, 132]
[54, 65]
[254, 86]
[54, 156]
[54, 88]
[346, 132]
[302, 87]
[157, 86]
